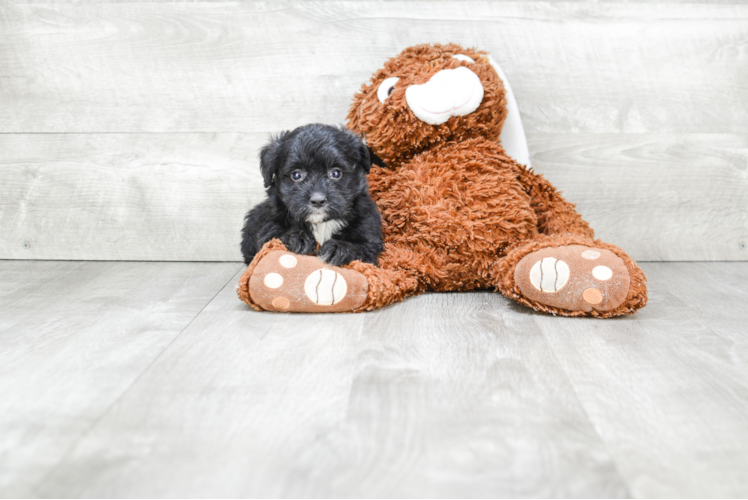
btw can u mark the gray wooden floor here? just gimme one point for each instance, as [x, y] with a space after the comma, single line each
[152, 379]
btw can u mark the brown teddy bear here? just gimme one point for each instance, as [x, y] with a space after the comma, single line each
[458, 212]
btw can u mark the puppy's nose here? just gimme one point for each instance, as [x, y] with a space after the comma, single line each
[318, 200]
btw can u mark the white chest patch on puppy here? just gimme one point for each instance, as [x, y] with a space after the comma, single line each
[323, 231]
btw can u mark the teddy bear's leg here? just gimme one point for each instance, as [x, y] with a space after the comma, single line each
[556, 216]
[278, 280]
[562, 270]
[571, 276]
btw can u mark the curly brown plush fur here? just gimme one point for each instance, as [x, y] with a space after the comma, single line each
[459, 213]
[395, 134]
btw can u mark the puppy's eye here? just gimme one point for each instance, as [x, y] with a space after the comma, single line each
[386, 88]
[336, 173]
[297, 175]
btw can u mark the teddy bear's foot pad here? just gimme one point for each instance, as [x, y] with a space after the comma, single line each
[286, 282]
[573, 277]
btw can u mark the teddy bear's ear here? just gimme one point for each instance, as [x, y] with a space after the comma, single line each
[512, 133]
[269, 159]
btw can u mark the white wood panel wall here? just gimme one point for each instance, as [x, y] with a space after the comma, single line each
[130, 130]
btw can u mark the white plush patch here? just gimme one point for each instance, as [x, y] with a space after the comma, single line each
[323, 231]
[590, 254]
[513, 134]
[463, 57]
[273, 280]
[549, 275]
[450, 92]
[602, 273]
[288, 261]
[325, 287]
[383, 92]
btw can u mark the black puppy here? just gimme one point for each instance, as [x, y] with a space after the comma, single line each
[315, 179]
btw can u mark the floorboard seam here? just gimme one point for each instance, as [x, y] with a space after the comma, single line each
[103, 414]
[604, 444]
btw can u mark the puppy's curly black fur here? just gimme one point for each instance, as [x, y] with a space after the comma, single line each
[315, 179]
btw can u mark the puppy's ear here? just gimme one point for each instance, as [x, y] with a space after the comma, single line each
[375, 160]
[365, 157]
[269, 159]
[368, 156]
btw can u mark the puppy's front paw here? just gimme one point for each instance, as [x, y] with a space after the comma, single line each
[338, 253]
[299, 242]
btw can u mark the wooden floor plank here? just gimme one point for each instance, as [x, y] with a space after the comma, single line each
[449, 401]
[184, 196]
[176, 197]
[132, 128]
[443, 395]
[660, 197]
[589, 67]
[73, 337]
[667, 389]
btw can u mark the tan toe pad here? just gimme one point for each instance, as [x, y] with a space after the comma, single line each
[286, 282]
[573, 277]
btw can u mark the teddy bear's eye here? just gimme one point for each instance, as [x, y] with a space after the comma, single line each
[386, 88]
[463, 57]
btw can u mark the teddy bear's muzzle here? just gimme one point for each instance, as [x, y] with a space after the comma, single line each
[450, 92]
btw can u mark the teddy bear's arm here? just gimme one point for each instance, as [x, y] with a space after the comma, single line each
[555, 214]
